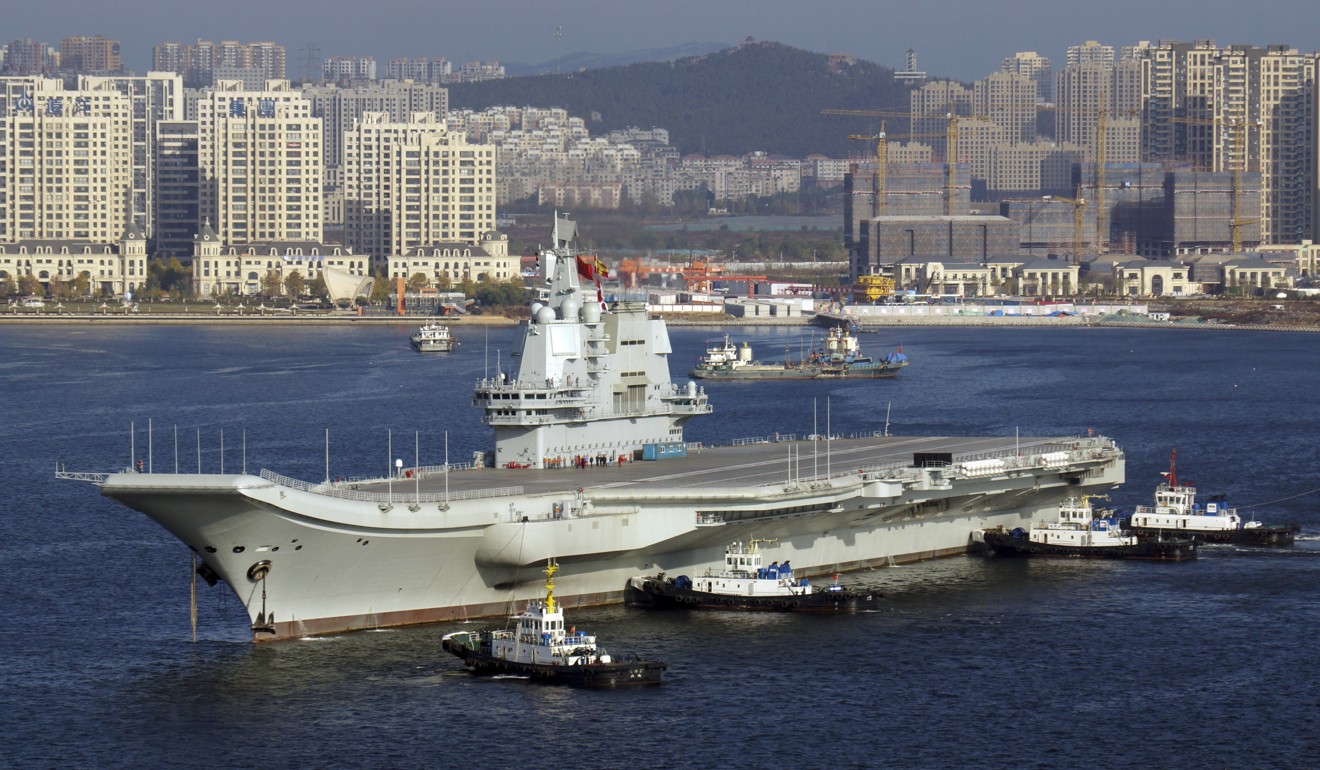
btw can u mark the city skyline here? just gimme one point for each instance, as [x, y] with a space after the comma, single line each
[953, 38]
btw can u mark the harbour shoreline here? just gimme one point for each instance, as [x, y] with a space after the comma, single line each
[872, 322]
[248, 319]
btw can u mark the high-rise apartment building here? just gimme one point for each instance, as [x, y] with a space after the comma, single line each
[421, 69]
[1009, 101]
[1091, 95]
[29, 57]
[154, 98]
[1238, 109]
[95, 55]
[341, 108]
[1090, 52]
[930, 107]
[335, 69]
[67, 161]
[260, 156]
[206, 62]
[170, 57]
[414, 183]
[177, 212]
[1033, 65]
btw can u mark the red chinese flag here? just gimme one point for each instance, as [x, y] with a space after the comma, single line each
[585, 269]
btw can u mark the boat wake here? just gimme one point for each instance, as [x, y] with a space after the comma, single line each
[1261, 552]
[318, 638]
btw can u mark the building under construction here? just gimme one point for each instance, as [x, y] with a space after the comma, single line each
[910, 190]
[1149, 209]
[1052, 226]
[1134, 205]
[1202, 208]
[888, 239]
[1163, 210]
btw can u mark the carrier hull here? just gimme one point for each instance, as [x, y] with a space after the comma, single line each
[337, 559]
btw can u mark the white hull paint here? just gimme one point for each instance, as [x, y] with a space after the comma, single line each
[340, 565]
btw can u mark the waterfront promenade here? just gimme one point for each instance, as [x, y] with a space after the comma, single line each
[253, 317]
[236, 316]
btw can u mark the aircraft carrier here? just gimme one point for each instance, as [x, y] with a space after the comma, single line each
[590, 467]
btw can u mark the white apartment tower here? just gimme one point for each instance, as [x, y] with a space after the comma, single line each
[341, 108]
[1090, 52]
[1009, 101]
[930, 108]
[1092, 95]
[260, 157]
[414, 183]
[1243, 109]
[155, 98]
[68, 161]
[1034, 66]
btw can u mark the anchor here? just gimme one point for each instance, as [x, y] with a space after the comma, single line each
[265, 623]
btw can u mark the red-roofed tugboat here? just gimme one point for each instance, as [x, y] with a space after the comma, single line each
[1176, 513]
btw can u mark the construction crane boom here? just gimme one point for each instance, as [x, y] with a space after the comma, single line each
[881, 168]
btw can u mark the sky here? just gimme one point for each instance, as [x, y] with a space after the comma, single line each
[962, 40]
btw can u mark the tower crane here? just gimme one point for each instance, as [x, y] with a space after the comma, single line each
[881, 167]
[1236, 223]
[881, 140]
[1102, 124]
[1236, 134]
[951, 149]
[1079, 206]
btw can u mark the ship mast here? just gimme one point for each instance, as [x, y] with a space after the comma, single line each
[550, 569]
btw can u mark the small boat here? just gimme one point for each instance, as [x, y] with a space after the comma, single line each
[1080, 533]
[545, 650]
[744, 584]
[433, 338]
[840, 357]
[1177, 513]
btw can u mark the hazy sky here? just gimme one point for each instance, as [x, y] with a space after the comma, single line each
[964, 40]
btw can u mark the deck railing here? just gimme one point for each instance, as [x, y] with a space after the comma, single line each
[401, 495]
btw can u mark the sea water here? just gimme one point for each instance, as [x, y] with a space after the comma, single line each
[968, 662]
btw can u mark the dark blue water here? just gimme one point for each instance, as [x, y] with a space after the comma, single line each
[970, 663]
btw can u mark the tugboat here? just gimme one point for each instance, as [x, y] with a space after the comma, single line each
[1177, 513]
[543, 650]
[433, 338]
[1079, 533]
[744, 584]
[841, 357]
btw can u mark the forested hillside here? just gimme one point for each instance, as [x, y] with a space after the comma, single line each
[757, 96]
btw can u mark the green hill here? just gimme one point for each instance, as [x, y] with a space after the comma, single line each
[757, 96]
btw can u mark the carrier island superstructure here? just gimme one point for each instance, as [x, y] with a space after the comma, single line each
[592, 387]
